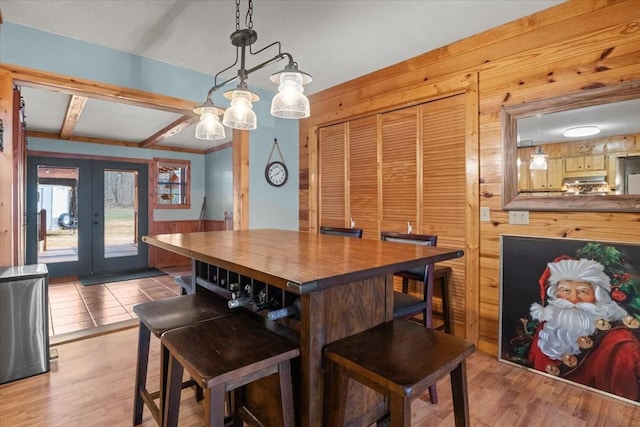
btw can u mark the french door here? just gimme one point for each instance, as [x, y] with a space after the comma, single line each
[86, 216]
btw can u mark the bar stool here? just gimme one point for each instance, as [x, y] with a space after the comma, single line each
[157, 317]
[186, 284]
[341, 231]
[222, 355]
[399, 375]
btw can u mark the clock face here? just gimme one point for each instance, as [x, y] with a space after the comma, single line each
[276, 174]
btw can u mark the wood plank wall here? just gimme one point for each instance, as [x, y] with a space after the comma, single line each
[564, 49]
[163, 258]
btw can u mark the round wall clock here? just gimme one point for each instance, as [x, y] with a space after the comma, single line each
[276, 173]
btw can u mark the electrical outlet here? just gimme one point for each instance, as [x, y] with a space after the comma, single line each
[485, 214]
[519, 217]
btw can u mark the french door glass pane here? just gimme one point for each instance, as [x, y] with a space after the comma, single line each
[120, 213]
[57, 216]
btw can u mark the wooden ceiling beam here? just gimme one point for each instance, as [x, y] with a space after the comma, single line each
[38, 79]
[74, 110]
[173, 128]
[105, 141]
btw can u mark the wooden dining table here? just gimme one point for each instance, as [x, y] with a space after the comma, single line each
[345, 286]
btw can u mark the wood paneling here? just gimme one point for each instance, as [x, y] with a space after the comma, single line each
[19, 175]
[163, 258]
[430, 138]
[564, 49]
[399, 139]
[444, 187]
[363, 176]
[8, 210]
[240, 154]
[332, 177]
[443, 170]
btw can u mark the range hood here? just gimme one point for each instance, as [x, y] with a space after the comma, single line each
[586, 184]
[584, 180]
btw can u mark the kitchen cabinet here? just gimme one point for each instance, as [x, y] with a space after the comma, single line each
[550, 179]
[584, 163]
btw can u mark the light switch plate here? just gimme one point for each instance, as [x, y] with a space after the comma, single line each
[519, 217]
[485, 214]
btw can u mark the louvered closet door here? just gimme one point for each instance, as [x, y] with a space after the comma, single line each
[399, 169]
[363, 176]
[332, 175]
[444, 185]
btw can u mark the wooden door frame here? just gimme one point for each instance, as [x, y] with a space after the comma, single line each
[11, 226]
[407, 97]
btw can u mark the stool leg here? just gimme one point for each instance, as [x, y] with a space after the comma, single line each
[286, 393]
[400, 410]
[214, 406]
[337, 399]
[144, 338]
[164, 370]
[459, 392]
[444, 292]
[173, 389]
[433, 394]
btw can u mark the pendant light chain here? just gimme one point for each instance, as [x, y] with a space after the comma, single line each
[249, 23]
[237, 15]
[248, 19]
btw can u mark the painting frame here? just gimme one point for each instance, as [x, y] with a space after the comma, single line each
[528, 267]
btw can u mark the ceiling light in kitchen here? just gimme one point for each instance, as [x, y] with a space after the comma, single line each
[579, 131]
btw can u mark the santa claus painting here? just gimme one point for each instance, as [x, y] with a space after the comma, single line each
[585, 327]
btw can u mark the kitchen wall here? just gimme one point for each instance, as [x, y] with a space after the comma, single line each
[564, 49]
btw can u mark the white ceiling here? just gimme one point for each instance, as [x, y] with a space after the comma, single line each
[333, 40]
[613, 119]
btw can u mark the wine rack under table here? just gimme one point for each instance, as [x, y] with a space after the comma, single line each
[246, 292]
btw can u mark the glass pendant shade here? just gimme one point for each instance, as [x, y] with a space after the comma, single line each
[209, 127]
[538, 160]
[240, 115]
[290, 102]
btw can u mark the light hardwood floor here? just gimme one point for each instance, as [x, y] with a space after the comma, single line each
[91, 384]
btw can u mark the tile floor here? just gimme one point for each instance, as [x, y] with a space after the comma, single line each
[74, 307]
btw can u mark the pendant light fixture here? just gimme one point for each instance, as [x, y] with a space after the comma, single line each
[289, 103]
[538, 160]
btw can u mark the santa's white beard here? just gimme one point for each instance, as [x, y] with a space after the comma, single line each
[565, 323]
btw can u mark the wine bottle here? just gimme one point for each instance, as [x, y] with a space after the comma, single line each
[240, 302]
[292, 310]
[272, 303]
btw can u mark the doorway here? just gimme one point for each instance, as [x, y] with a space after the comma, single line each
[86, 216]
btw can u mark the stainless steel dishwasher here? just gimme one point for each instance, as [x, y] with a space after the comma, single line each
[24, 323]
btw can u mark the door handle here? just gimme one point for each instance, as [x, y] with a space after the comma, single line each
[95, 223]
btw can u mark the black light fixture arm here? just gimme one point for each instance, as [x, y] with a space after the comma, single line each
[243, 74]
